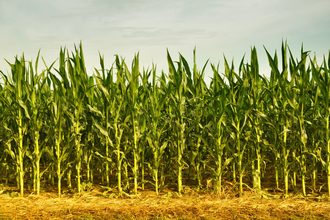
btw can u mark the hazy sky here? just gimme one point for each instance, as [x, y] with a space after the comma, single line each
[215, 27]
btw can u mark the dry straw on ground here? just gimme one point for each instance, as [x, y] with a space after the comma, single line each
[147, 205]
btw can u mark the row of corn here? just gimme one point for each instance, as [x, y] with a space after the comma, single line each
[130, 128]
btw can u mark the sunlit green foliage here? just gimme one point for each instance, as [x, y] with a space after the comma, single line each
[129, 129]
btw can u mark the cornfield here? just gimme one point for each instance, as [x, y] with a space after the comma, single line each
[130, 129]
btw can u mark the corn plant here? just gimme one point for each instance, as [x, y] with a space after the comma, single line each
[218, 92]
[17, 97]
[127, 127]
[254, 83]
[177, 89]
[158, 126]
[321, 75]
[37, 94]
[134, 109]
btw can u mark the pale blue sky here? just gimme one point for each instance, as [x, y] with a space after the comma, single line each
[216, 28]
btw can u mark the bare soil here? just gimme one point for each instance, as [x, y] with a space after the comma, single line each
[146, 205]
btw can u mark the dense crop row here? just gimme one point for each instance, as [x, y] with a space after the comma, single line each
[128, 129]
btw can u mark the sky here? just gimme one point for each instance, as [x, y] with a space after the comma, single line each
[217, 28]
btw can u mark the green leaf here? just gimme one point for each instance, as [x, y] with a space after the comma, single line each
[22, 105]
[101, 129]
[95, 110]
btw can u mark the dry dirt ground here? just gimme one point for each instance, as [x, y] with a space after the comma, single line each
[146, 205]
